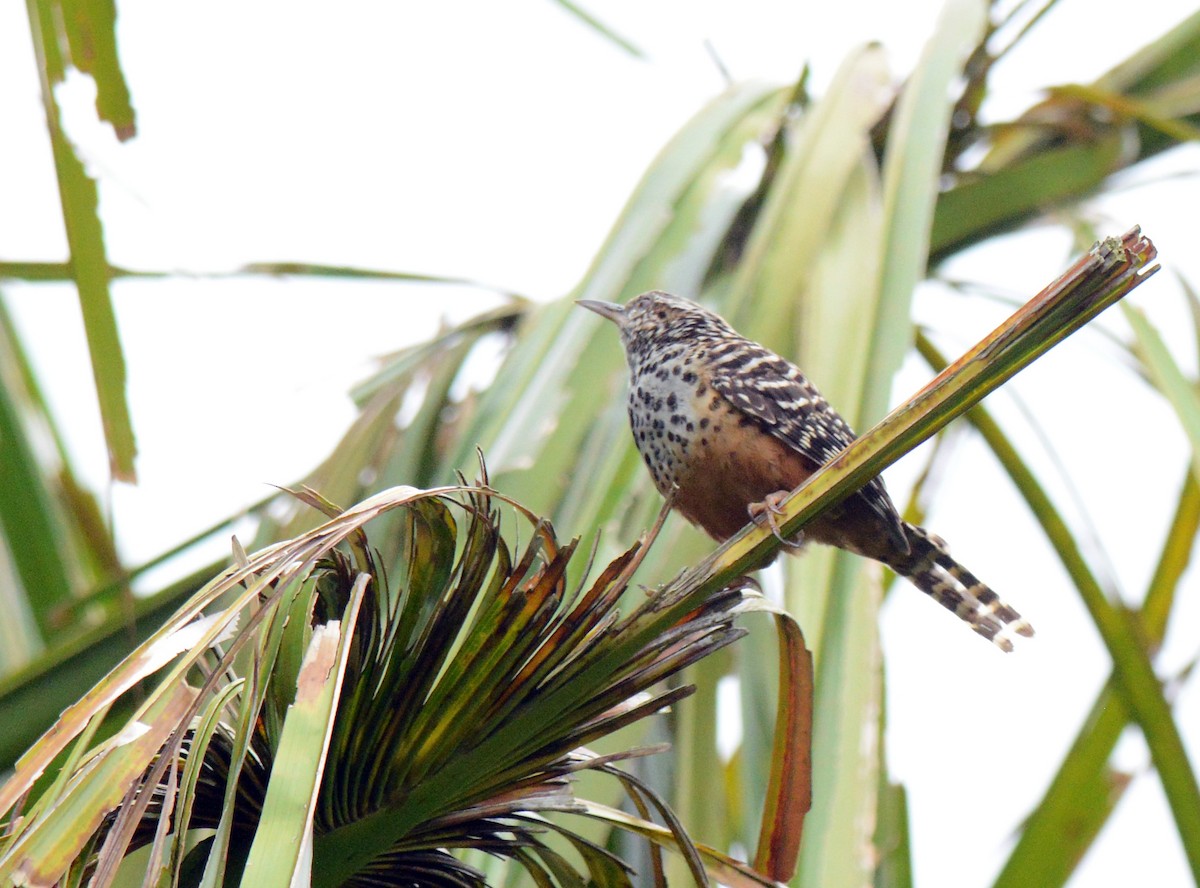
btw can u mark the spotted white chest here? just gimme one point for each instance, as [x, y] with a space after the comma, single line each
[668, 413]
[709, 458]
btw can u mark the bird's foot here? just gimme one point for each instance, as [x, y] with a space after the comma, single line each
[766, 512]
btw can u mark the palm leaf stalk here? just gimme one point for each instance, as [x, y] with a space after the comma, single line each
[1098, 280]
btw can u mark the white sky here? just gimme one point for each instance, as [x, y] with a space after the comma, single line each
[498, 142]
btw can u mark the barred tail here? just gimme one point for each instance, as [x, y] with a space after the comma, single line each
[930, 568]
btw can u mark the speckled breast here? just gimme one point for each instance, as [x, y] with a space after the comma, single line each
[711, 459]
[665, 414]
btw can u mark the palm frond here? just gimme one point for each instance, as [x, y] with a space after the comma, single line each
[376, 721]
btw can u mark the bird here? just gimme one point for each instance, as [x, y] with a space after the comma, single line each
[728, 428]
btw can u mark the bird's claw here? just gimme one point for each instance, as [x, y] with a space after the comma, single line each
[766, 512]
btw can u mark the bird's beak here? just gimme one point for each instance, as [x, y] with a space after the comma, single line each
[610, 310]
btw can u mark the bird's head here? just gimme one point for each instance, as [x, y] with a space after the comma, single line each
[656, 319]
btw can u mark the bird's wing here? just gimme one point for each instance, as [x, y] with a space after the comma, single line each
[773, 391]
